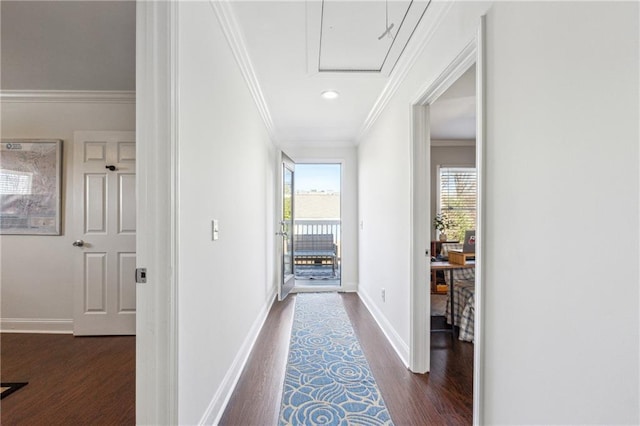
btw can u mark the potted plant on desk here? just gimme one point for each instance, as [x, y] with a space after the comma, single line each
[442, 223]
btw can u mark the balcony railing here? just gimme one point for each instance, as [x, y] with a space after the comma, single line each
[318, 226]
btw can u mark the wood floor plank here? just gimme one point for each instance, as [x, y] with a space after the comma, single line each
[72, 380]
[445, 396]
[256, 399]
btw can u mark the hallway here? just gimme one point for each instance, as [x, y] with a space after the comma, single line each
[216, 92]
[443, 396]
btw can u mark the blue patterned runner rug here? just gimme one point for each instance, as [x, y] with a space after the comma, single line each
[328, 380]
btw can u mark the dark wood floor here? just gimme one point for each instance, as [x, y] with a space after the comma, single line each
[444, 396]
[91, 380]
[72, 380]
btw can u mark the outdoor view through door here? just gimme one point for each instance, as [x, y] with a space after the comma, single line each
[317, 248]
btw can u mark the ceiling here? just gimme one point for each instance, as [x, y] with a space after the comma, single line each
[300, 49]
[297, 50]
[453, 114]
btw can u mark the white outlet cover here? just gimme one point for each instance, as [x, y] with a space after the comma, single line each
[215, 230]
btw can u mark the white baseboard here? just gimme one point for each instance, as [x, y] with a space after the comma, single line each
[36, 325]
[221, 398]
[316, 287]
[401, 347]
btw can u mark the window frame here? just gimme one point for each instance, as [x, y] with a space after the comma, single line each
[439, 184]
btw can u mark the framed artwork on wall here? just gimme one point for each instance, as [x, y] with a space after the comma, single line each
[30, 187]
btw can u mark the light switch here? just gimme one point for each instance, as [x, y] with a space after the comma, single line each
[214, 230]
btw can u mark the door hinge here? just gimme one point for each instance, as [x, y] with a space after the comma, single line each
[141, 275]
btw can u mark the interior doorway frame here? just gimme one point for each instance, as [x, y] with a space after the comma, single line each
[419, 349]
[157, 202]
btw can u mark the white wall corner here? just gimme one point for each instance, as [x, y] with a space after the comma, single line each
[36, 325]
[350, 287]
[221, 398]
[400, 346]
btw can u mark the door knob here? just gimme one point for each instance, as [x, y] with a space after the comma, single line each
[78, 243]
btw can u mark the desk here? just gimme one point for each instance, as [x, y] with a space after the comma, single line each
[446, 266]
[436, 248]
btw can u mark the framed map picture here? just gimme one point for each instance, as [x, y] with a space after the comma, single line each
[30, 187]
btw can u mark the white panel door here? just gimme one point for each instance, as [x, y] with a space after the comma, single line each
[104, 231]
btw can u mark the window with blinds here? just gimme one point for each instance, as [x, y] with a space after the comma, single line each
[458, 195]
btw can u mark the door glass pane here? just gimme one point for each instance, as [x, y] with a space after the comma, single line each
[287, 221]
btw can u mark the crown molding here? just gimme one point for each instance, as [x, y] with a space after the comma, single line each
[70, 96]
[433, 90]
[316, 144]
[233, 34]
[452, 142]
[404, 65]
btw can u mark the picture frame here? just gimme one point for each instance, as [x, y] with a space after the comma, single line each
[30, 186]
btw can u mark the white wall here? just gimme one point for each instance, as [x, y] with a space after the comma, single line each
[562, 160]
[446, 156]
[226, 172]
[61, 45]
[37, 271]
[347, 156]
[561, 331]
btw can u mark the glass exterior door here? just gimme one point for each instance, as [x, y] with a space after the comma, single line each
[286, 226]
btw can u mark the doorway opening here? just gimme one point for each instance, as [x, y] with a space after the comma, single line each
[453, 209]
[317, 226]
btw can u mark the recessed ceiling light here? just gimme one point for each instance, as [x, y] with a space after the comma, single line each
[329, 94]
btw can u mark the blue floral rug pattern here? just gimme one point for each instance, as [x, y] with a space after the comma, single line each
[316, 272]
[328, 380]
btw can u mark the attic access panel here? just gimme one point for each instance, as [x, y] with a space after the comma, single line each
[350, 35]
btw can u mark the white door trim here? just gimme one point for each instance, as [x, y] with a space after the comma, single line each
[481, 128]
[157, 184]
[420, 337]
[419, 354]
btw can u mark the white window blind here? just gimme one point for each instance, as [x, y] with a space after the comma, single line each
[458, 195]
